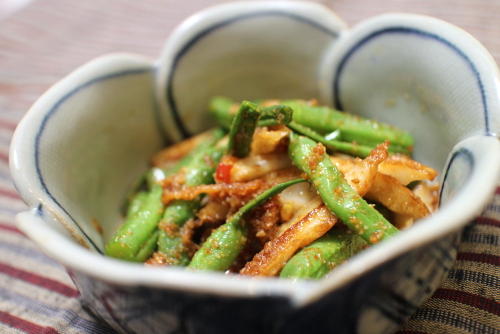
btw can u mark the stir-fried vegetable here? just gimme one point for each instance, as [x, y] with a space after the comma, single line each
[337, 194]
[354, 134]
[352, 128]
[276, 252]
[199, 171]
[317, 259]
[135, 237]
[231, 199]
[225, 243]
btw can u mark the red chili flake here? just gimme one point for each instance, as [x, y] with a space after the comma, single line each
[223, 173]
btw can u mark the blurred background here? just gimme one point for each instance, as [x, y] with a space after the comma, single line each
[42, 40]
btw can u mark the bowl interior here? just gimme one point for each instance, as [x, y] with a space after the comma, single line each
[418, 73]
[243, 51]
[87, 143]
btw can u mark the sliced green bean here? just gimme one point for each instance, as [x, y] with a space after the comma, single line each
[321, 256]
[222, 247]
[157, 174]
[170, 242]
[326, 120]
[352, 128]
[242, 129]
[148, 247]
[220, 250]
[336, 145]
[336, 193]
[245, 122]
[279, 113]
[132, 236]
[199, 171]
[136, 203]
[221, 108]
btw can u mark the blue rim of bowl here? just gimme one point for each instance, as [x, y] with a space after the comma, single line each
[54, 109]
[417, 32]
[463, 154]
[205, 32]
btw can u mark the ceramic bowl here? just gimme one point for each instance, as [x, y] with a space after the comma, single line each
[84, 144]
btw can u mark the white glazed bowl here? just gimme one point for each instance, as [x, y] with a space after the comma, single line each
[84, 144]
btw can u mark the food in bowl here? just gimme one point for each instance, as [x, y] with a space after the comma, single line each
[285, 188]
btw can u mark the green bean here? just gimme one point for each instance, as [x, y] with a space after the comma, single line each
[136, 203]
[220, 250]
[132, 236]
[321, 256]
[245, 122]
[326, 120]
[268, 122]
[336, 145]
[336, 193]
[157, 174]
[148, 247]
[170, 243]
[222, 247]
[352, 128]
[279, 113]
[199, 171]
[242, 129]
[220, 107]
[262, 197]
